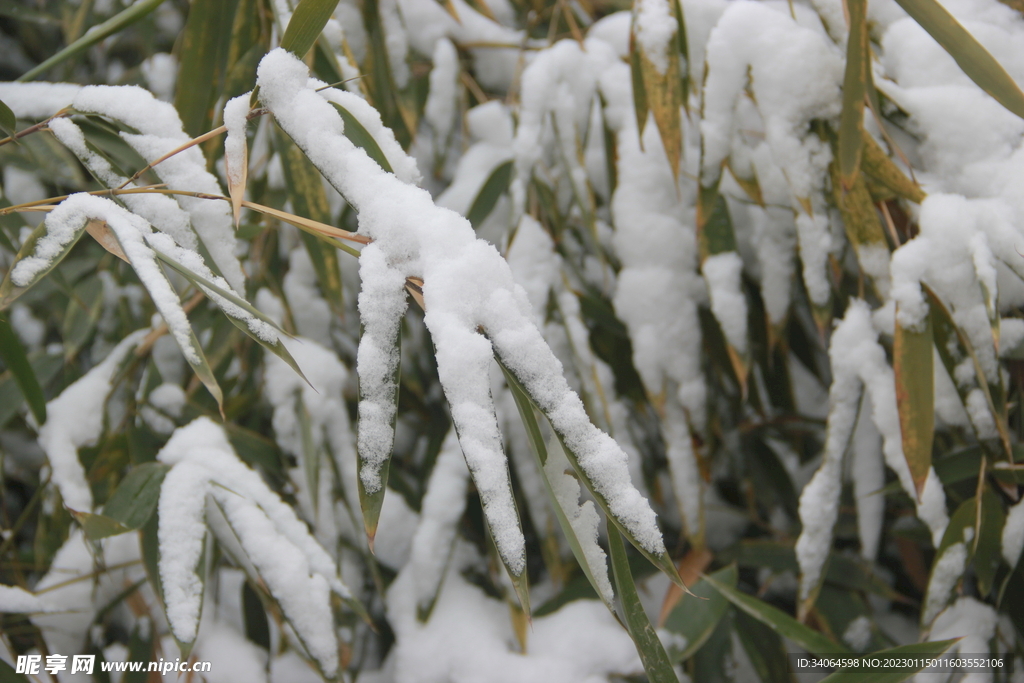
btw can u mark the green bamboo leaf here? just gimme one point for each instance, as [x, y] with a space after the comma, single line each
[496, 185]
[9, 292]
[44, 365]
[988, 536]
[764, 648]
[361, 138]
[8, 674]
[529, 417]
[82, 315]
[858, 64]
[204, 50]
[961, 523]
[310, 452]
[278, 348]
[305, 26]
[780, 622]
[980, 66]
[135, 498]
[119, 21]
[257, 626]
[371, 503]
[140, 649]
[306, 191]
[915, 397]
[696, 616]
[8, 122]
[913, 652]
[14, 357]
[96, 526]
[652, 653]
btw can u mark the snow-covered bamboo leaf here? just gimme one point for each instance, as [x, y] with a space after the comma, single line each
[8, 122]
[652, 653]
[979, 65]
[695, 617]
[236, 152]
[749, 184]
[309, 199]
[915, 652]
[361, 138]
[203, 53]
[955, 350]
[14, 357]
[94, 35]
[43, 258]
[862, 225]
[657, 50]
[588, 554]
[780, 622]
[855, 84]
[308, 20]
[496, 185]
[915, 397]
[384, 392]
[951, 559]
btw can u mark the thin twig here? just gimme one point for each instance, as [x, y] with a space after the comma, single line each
[36, 127]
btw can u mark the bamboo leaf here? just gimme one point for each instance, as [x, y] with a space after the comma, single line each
[310, 452]
[980, 66]
[915, 652]
[780, 622]
[8, 674]
[640, 106]
[526, 412]
[652, 652]
[988, 540]
[14, 357]
[883, 170]
[306, 190]
[305, 26]
[9, 292]
[203, 53]
[277, 348]
[8, 122]
[96, 526]
[361, 138]
[257, 627]
[119, 21]
[858, 63]
[915, 397]
[695, 617]
[860, 219]
[371, 503]
[135, 498]
[82, 316]
[101, 232]
[664, 96]
[496, 185]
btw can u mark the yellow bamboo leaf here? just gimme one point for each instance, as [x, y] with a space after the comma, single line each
[877, 164]
[664, 94]
[102, 233]
[915, 397]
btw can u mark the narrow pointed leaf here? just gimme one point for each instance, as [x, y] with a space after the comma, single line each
[915, 652]
[980, 66]
[9, 292]
[135, 498]
[116, 23]
[305, 26]
[640, 106]
[8, 122]
[877, 164]
[361, 138]
[860, 219]
[14, 357]
[96, 526]
[203, 53]
[652, 652]
[306, 190]
[851, 124]
[496, 185]
[526, 412]
[663, 92]
[371, 503]
[310, 452]
[695, 616]
[988, 541]
[915, 397]
[780, 622]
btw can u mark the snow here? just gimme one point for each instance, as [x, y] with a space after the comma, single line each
[975, 624]
[37, 100]
[161, 74]
[442, 98]
[946, 573]
[723, 274]
[858, 633]
[236, 148]
[75, 419]
[17, 599]
[1013, 534]
[298, 572]
[655, 29]
[467, 285]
